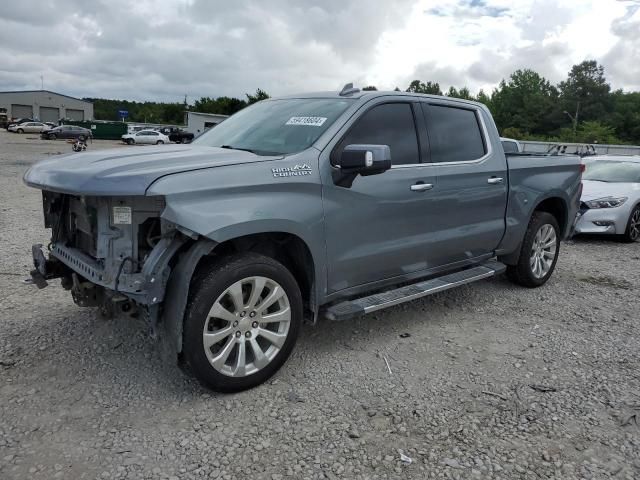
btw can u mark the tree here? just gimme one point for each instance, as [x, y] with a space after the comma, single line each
[527, 102]
[625, 115]
[463, 93]
[417, 86]
[585, 93]
[484, 98]
[596, 132]
[370, 88]
[259, 95]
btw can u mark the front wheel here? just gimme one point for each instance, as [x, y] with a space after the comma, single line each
[52, 136]
[632, 233]
[242, 322]
[130, 141]
[538, 253]
[20, 130]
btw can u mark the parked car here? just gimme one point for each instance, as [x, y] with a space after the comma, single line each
[510, 145]
[611, 197]
[67, 131]
[145, 137]
[29, 127]
[177, 135]
[18, 121]
[334, 205]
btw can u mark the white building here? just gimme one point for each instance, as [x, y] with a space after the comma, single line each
[45, 106]
[198, 123]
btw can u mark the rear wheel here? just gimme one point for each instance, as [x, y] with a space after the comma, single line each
[538, 253]
[159, 142]
[632, 233]
[242, 322]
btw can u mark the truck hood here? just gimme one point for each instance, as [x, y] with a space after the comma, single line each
[593, 190]
[128, 170]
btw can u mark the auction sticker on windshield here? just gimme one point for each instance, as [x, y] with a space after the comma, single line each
[309, 121]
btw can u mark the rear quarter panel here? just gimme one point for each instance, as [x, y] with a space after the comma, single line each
[533, 179]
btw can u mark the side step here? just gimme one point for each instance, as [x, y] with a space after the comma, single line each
[378, 301]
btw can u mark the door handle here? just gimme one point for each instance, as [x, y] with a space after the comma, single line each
[495, 181]
[421, 187]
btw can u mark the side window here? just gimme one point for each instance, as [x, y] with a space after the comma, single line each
[454, 134]
[387, 124]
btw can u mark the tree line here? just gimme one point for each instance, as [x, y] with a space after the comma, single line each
[172, 112]
[582, 108]
[526, 106]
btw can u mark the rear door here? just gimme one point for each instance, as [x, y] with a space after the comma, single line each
[472, 181]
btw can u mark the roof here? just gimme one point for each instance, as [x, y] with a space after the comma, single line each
[46, 91]
[369, 94]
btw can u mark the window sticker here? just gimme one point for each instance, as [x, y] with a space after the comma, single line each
[307, 121]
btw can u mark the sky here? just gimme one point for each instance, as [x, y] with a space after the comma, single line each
[163, 50]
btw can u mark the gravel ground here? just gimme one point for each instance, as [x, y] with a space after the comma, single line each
[487, 381]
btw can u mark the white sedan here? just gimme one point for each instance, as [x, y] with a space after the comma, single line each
[145, 137]
[29, 127]
[610, 201]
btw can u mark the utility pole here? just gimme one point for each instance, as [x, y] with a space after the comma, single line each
[574, 120]
[41, 82]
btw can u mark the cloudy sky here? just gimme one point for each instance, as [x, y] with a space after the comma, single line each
[162, 50]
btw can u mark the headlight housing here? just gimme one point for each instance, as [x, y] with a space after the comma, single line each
[607, 202]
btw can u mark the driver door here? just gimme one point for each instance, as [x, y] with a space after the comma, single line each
[378, 228]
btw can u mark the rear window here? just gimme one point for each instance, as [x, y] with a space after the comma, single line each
[454, 134]
[509, 147]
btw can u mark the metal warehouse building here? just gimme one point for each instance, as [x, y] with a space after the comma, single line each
[45, 106]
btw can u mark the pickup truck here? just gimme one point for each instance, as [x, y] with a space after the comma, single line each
[326, 205]
[177, 135]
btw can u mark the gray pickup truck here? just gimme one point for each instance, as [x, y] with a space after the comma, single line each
[325, 204]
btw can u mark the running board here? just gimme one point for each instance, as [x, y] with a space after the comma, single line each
[360, 306]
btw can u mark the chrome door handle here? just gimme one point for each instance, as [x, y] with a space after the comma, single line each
[495, 181]
[421, 187]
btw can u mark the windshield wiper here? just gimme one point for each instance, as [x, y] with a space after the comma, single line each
[229, 147]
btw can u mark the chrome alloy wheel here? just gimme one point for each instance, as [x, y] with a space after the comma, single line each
[634, 225]
[543, 251]
[247, 326]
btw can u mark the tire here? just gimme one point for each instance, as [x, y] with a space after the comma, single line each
[52, 136]
[537, 263]
[130, 141]
[632, 232]
[159, 142]
[218, 365]
[20, 130]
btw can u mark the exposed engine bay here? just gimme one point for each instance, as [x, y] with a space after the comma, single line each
[107, 250]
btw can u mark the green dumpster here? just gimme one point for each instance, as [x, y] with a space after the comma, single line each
[101, 129]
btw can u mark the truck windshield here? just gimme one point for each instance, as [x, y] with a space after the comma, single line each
[613, 172]
[275, 127]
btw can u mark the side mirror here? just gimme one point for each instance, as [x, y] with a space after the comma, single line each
[365, 159]
[362, 160]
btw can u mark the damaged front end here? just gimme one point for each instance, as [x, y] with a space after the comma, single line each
[108, 251]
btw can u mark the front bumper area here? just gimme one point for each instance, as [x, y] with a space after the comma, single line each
[608, 221]
[146, 287]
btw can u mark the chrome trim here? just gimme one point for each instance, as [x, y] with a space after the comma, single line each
[421, 187]
[495, 181]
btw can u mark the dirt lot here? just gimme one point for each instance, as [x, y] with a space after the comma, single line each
[492, 380]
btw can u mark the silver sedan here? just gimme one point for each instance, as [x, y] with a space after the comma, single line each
[610, 202]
